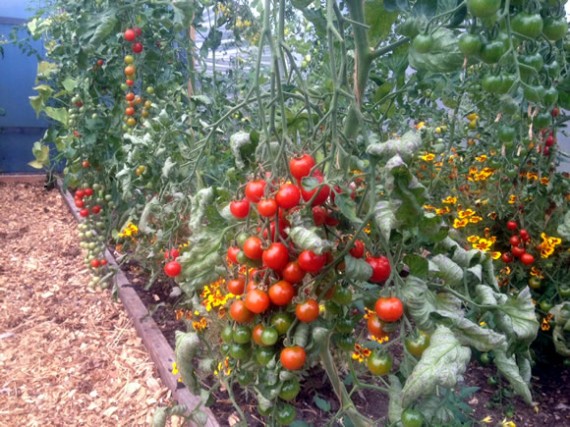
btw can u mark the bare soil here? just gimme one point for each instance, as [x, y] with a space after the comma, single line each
[68, 356]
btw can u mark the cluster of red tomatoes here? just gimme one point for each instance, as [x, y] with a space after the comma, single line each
[519, 242]
[172, 268]
[132, 100]
[288, 283]
[85, 201]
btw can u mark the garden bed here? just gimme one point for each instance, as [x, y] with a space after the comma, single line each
[105, 375]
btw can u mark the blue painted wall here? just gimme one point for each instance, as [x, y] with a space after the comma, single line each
[19, 127]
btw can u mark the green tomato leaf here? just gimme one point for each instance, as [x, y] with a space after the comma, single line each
[441, 364]
[379, 20]
[419, 266]
[357, 269]
[395, 405]
[515, 315]
[471, 334]
[105, 28]
[347, 207]
[561, 331]
[404, 146]
[564, 227]
[449, 271]
[200, 264]
[307, 238]
[385, 216]
[508, 367]
[443, 57]
[59, 114]
[187, 344]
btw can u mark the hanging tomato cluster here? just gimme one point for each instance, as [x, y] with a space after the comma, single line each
[90, 200]
[519, 243]
[283, 286]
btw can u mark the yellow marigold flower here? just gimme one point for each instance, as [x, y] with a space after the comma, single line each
[200, 325]
[429, 207]
[428, 157]
[380, 340]
[174, 368]
[223, 368]
[482, 158]
[368, 229]
[443, 211]
[449, 200]
[506, 270]
[487, 420]
[420, 125]
[532, 176]
[483, 324]
[506, 423]
[483, 245]
[438, 164]
[544, 180]
[496, 254]
[360, 353]
[465, 213]
[460, 223]
[473, 238]
[512, 199]
[475, 219]
[545, 324]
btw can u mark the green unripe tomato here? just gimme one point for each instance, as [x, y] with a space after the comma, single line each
[264, 355]
[529, 25]
[290, 389]
[555, 29]
[492, 51]
[422, 43]
[241, 334]
[416, 345]
[506, 133]
[470, 44]
[550, 96]
[534, 93]
[285, 414]
[483, 8]
[412, 418]
[379, 363]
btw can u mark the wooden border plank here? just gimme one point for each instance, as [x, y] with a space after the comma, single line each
[23, 178]
[158, 348]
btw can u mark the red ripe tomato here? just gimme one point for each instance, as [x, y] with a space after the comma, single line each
[507, 257]
[281, 293]
[239, 312]
[311, 262]
[137, 47]
[257, 301]
[301, 166]
[240, 208]
[172, 253]
[130, 35]
[321, 196]
[276, 256]
[267, 207]
[252, 247]
[555, 112]
[288, 196]
[103, 262]
[256, 334]
[88, 192]
[524, 235]
[129, 82]
[100, 62]
[232, 254]
[172, 268]
[381, 269]
[79, 204]
[79, 194]
[550, 141]
[517, 251]
[389, 309]
[293, 273]
[236, 286]
[375, 326]
[254, 190]
[130, 97]
[515, 240]
[282, 225]
[85, 164]
[357, 250]
[307, 311]
[527, 259]
[95, 263]
[84, 213]
[320, 215]
[96, 209]
[138, 31]
[512, 225]
[293, 358]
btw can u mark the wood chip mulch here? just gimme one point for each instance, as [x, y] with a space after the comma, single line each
[68, 356]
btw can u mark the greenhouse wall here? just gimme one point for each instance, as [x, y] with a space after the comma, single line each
[19, 126]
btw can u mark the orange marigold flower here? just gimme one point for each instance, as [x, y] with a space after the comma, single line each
[449, 200]
[443, 211]
[360, 354]
[428, 157]
[512, 199]
[475, 219]
[465, 213]
[460, 223]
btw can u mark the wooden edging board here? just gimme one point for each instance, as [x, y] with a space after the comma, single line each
[23, 178]
[160, 351]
